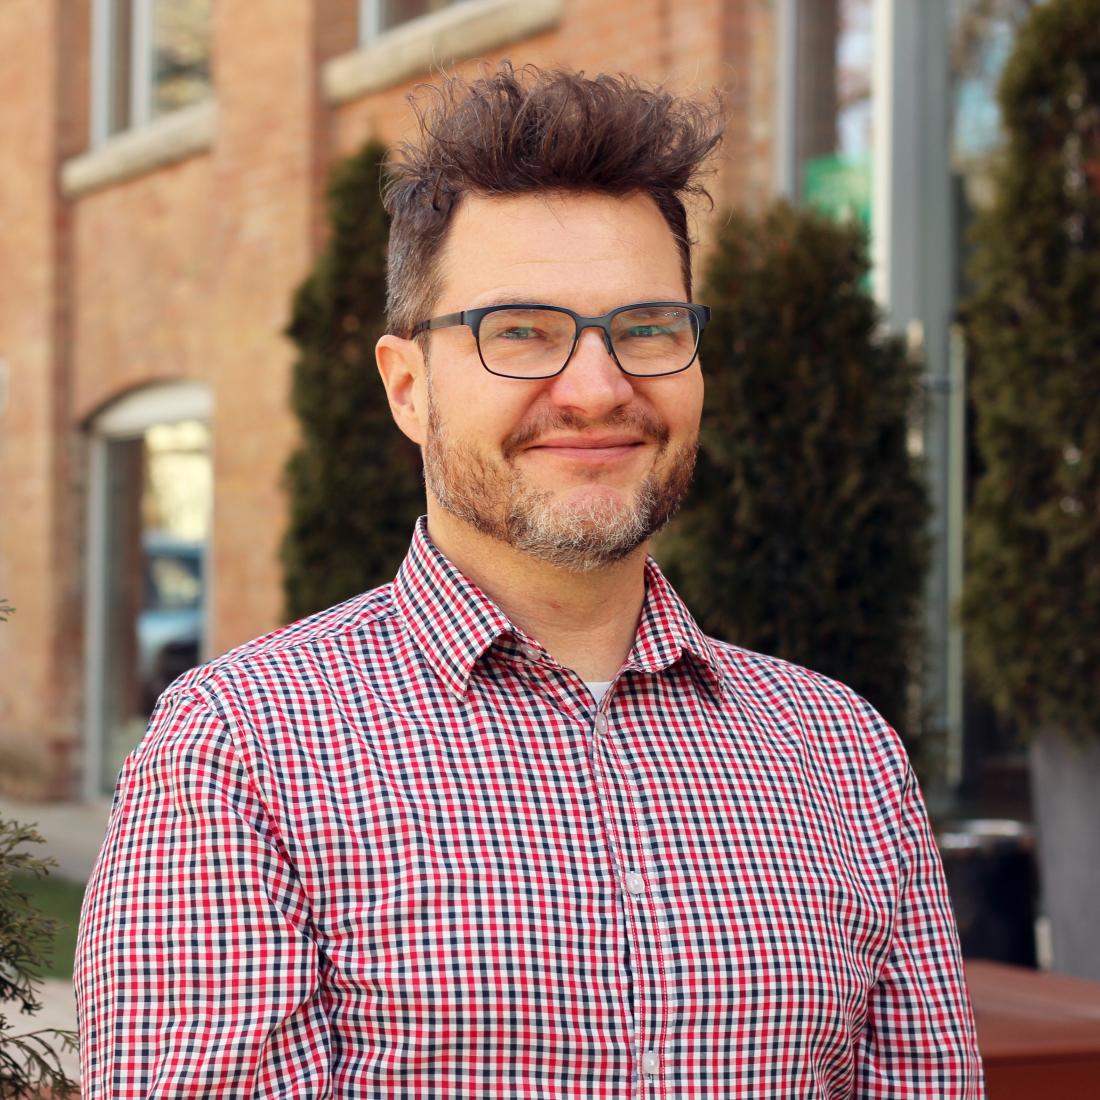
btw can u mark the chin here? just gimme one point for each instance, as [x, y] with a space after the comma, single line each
[592, 496]
[578, 519]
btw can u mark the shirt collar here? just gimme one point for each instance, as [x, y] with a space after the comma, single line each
[451, 619]
[667, 631]
[453, 622]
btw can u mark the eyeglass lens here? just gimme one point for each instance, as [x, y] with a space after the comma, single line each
[528, 343]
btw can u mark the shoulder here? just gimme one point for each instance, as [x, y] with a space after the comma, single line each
[784, 680]
[288, 658]
[273, 682]
[823, 713]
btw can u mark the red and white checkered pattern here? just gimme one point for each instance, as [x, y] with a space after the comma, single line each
[394, 851]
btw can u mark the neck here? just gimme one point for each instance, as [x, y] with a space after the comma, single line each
[585, 621]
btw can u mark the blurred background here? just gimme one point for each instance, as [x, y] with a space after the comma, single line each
[163, 176]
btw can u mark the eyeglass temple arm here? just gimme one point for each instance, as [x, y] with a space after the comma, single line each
[445, 321]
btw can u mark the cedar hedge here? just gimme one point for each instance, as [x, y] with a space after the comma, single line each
[354, 481]
[804, 535]
[1032, 597]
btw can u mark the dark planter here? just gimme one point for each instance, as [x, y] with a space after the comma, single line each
[1065, 778]
[990, 871]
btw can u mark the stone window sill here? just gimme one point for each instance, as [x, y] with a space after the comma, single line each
[165, 140]
[451, 34]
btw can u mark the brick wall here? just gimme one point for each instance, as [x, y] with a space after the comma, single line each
[39, 646]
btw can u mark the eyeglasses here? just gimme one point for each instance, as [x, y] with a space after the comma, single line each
[646, 339]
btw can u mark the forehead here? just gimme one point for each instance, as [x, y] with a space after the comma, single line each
[590, 252]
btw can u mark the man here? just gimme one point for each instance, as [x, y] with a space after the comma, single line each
[512, 825]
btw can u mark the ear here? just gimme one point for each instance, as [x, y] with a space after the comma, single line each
[401, 364]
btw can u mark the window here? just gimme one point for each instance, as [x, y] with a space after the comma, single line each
[150, 57]
[833, 122]
[379, 16]
[983, 34]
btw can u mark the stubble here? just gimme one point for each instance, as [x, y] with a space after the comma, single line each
[495, 497]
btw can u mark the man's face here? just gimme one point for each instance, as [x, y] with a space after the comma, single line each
[580, 469]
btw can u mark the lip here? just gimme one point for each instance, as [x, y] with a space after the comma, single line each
[589, 449]
[588, 442]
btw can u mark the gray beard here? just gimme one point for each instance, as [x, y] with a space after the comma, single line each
[496, 501]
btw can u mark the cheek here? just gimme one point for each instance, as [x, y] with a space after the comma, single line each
[695, 387]
[682, 406]
[480, 414]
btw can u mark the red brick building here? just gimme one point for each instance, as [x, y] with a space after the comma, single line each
[161, 196]
[162, 175]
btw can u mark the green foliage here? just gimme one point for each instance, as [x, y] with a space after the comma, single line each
[354, 482]
[1033, 585]
[804, 535]
[5, 610]
[28, 1063]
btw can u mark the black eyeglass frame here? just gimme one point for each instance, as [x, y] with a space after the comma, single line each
[474, 317]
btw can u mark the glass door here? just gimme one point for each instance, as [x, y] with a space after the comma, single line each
[158, 489]
[149, 528]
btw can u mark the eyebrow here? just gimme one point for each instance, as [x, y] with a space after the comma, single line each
[510, 300]
[527, 300]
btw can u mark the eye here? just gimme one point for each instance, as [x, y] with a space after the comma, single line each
[649, 324]
[649, 330]
[517, 332]
[524, 326]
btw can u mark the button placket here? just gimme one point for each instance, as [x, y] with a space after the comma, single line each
[638, 897]
[648, 911]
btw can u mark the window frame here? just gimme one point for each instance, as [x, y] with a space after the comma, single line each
[370, 20]
[454, 33]
[140, 91]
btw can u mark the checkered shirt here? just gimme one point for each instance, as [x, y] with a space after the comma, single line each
[393, 850]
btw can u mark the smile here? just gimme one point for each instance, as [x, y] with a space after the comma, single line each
[589, 452]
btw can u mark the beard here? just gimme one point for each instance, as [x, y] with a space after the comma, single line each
[495, 497]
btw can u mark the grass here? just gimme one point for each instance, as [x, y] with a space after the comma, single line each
[60, 899]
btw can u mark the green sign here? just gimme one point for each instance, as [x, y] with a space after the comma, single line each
[839, 186]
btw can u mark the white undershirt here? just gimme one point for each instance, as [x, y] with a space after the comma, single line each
[598, 689]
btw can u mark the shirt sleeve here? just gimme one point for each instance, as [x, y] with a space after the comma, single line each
[919, 1040]
[196, 974]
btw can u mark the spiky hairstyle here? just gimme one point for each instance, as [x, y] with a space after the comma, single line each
[519, 131]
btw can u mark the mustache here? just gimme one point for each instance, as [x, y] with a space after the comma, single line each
[639, 421]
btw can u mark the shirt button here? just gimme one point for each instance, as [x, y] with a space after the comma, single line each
[635, 883]
[529, 652]
[601, 723]
[651, 1062]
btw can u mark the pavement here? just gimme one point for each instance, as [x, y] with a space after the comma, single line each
[74, 832]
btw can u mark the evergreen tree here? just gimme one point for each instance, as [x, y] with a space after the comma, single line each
[29, 1064]
[1032, 598]
[354, 482]
[804, 534]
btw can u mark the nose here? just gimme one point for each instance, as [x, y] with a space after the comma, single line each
[592, 383]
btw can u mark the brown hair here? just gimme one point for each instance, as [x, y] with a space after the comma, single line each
[515, 132]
